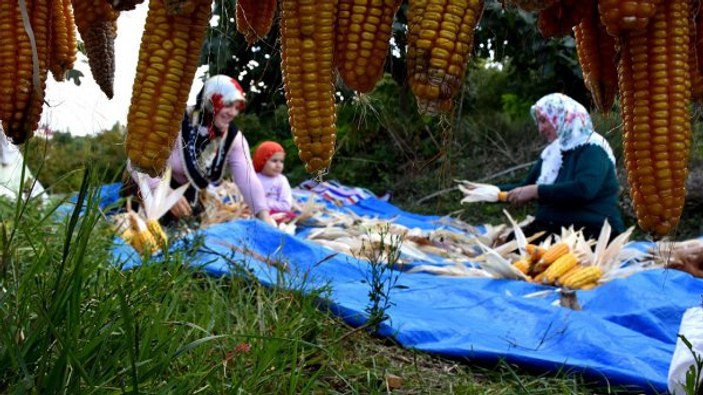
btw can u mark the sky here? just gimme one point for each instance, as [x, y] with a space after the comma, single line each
[85, 109]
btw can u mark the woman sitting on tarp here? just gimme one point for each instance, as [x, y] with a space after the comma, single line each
[574, 181]
[210, 142]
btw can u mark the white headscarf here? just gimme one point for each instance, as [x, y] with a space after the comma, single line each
[574, 128]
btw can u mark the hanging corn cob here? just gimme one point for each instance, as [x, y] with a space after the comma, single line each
[97, 25]
[596, 51]
[695, 52]
[440, 41]
[307, 44]
[254, 18]
[23, 65]
[619, 16]
[64, 45]
[363, 36]
[655, 91]
[168, 58]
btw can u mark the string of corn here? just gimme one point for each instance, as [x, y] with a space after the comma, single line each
[254, 18]
[363, 36]
[168, 58]
[23, 76]
[654, 80]
[307, 46]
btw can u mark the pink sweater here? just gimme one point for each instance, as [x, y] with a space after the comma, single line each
[277, 190]
[240, 165]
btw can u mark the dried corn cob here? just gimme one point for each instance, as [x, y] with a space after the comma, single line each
[555, 252]
[440, 41]
[363, 36]
[125, 5]
[654, 80]
[64, 45]
[585, 276]
[307, 44]
[619, 16]
[97, 24]
[596, 51]
[157, 231]
[141, 239]
[562, 265]
[254, 18]
[695, 52]
[535, 252]
[523, 265]
[23, 75]
[168, 58]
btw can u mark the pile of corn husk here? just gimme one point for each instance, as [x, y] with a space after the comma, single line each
[221, 204]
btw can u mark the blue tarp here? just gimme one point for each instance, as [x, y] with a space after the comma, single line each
[625, 334]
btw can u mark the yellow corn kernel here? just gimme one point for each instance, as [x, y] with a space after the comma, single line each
[522, 265]
[554, 252]
[655, 91]
[23, 82]
[157, 231]
[307, 52]
[560, 267]
[584, 276]
[596, 50]
[363, 36]
[150, 137]
[619, 16]
[254, 18]
[535, 252]
[141, 239]
[440, 40]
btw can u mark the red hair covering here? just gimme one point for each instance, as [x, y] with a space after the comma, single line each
[264, 152]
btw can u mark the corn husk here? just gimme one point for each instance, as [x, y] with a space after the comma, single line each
[477, 192]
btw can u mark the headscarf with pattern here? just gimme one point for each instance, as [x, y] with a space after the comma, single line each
[574, 129]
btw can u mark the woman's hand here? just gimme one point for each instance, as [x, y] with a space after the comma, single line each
[265, 216]
[521, 195]
[181, 208]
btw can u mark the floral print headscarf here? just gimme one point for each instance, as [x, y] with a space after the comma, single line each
[574, 128]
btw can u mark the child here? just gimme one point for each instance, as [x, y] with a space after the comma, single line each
[268, 163]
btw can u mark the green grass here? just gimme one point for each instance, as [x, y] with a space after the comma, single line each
[73, 322]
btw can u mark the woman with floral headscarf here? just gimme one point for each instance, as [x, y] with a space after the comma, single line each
[574, 181]
[209, 142]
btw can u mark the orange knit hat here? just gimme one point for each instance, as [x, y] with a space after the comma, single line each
[264, 152]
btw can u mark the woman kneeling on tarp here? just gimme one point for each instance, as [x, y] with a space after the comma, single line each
[574, 181]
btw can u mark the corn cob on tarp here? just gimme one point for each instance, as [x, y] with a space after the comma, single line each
[477, 316]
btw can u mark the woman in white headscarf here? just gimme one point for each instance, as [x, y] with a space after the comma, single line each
[209, 143]
[574, 181]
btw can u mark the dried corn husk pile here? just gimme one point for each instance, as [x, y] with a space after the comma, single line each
[221, 204]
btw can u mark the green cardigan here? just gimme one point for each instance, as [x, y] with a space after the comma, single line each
[584, 193]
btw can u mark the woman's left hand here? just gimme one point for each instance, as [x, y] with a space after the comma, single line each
[522, 195]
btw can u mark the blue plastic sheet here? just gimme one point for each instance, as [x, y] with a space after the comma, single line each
[625, 334]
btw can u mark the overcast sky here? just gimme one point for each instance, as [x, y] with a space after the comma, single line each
[85, 109]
